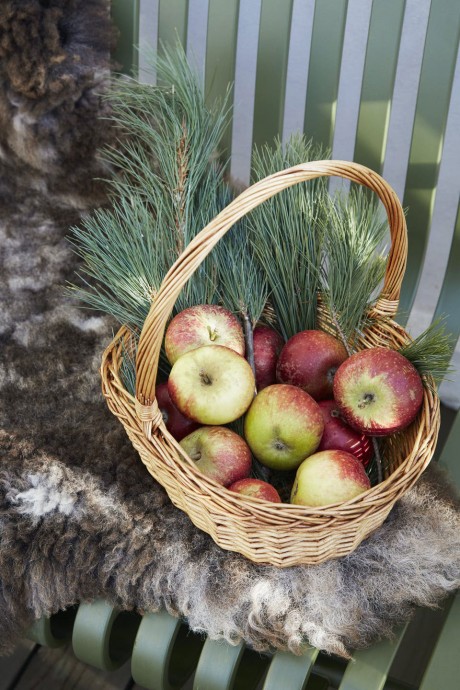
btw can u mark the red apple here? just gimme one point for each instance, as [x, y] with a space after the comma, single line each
[211, 385]
[256, 488]
[176, 423]
[267, 346]
[283, 426]
[338, 435]
[219, 453]
[309, 360]
[378, 391]
[331, 476]
[203, 324]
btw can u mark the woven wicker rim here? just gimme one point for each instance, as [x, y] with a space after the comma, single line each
[208, 504]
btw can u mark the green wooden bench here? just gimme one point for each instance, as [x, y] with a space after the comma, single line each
[379, 83]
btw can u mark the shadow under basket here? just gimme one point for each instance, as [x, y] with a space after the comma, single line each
[278, 534]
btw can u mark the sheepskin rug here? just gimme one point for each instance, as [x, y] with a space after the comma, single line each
[80, 516]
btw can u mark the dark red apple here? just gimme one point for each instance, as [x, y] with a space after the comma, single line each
[267, 346]
[177, 424]
[256, 488]
[338, 435]
[309, 360]
[378, 391]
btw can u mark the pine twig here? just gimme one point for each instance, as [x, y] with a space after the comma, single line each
[249, 339]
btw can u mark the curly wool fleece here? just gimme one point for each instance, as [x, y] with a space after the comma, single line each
[80, 516]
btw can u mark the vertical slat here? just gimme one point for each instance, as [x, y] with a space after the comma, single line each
[245, 80]
[351, 78]
[148, 39]
[286, 670]
[297, 68]
[324, 69]
[442, 240]
[405, 93]
[369, 668]
[378, 82]
[197, 25]
[430, 120]
[172, 22]
[125, 15]
[275, 23]
[221, 52]
[444, 668]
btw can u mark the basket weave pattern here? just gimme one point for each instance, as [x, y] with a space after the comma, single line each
[278, 534]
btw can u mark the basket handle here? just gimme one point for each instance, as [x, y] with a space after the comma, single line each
[151, 337]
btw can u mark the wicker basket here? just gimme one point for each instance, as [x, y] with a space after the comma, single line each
[278, 534]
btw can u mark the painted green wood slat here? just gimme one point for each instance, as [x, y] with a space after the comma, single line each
[165, 652]
[437, 72]
[125, 15]
[443, 670]
[448, 302]
[449, 455]
[287, 666]
[324, 70]
[221, 53]
[172, 22]
[272, 59]
[227, 667]
[369, 668]
[378, 82]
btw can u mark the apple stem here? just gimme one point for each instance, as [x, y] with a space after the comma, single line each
[249, 340]
[378, 460]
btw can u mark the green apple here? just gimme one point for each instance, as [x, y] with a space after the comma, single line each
[211, 385]
[283, 426]
[330, 476]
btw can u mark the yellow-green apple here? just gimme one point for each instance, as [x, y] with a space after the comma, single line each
[176, 423]
[203, 324]
[338, 435]
[256, 488]
[378, 391]
[283, 426]
[331, 476]
[267, 346]
[309, 360]
[211, 385]
[219, 453]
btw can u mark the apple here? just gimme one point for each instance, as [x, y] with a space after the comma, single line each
[331, 476]
[309, 360]
[256, 488]
[283, 426]
[211, 385]
[203, 324]
[176, 423]
[219, 453]
[338, 435]
[378, 391]
[267, 346]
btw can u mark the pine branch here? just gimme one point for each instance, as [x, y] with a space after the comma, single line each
[431, 352]
[286, 236]
[353, 263]
[167, 186]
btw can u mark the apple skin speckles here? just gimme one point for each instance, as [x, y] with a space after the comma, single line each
[378, 391]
